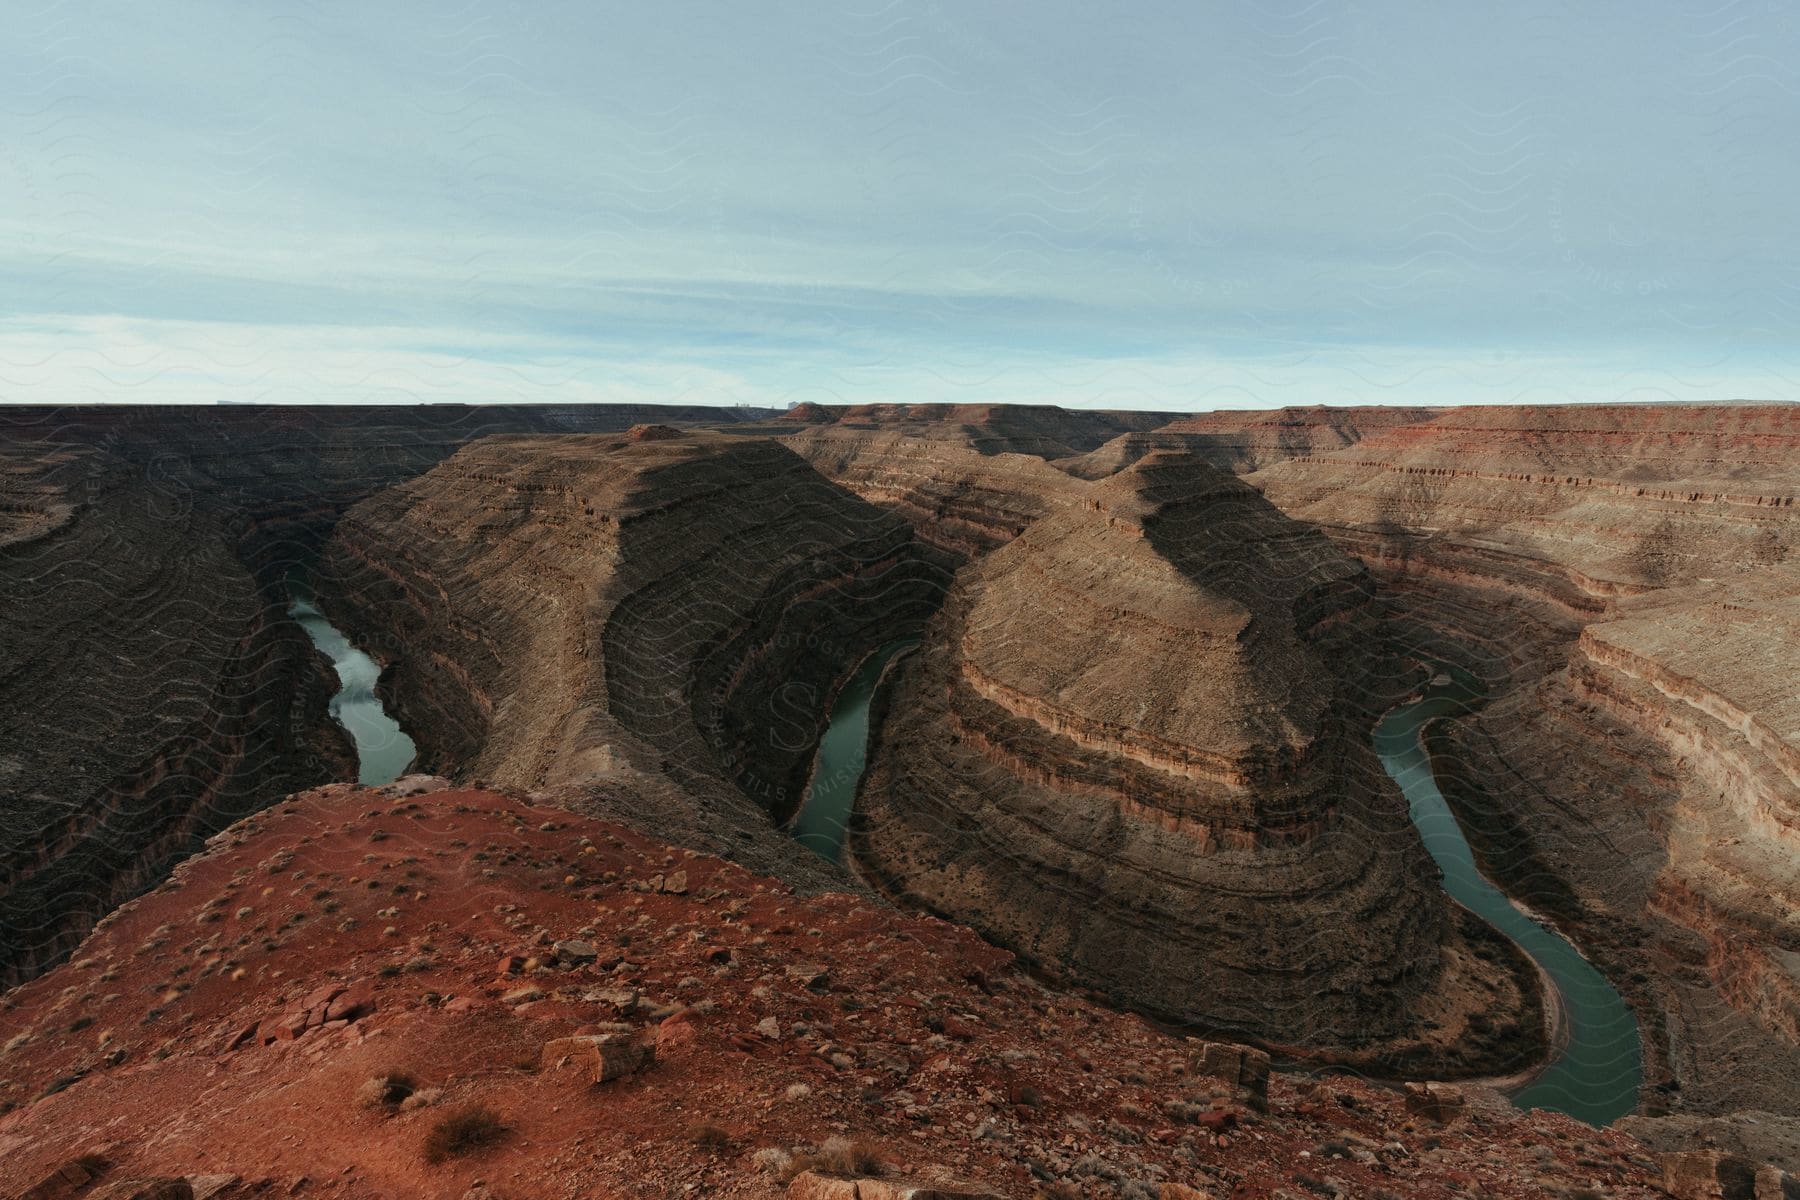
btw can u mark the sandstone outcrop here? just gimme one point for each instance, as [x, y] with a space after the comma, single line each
[1620, 579]
[152, 686]
[1214, 843]
[658, 625]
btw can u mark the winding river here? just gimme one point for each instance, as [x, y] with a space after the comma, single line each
[1594, 1073]
[383, 751]
[843, 751]
[1597, 1064]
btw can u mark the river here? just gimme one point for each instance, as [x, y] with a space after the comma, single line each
[843, 751]
[383, 751]
[1595, 1069]
[1595, 1075]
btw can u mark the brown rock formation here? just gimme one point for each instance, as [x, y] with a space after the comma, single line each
[1123, 754]
[1621, 578]
[659, 624]
[152, 688]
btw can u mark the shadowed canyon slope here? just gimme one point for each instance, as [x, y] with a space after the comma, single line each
[658, 620]
[1126, 751]
[152, 688]
[1622, 579]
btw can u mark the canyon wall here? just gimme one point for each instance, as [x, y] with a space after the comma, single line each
[1129, 750]
[652, 624]
[150, 693]
[152, 687]
[1622, 580]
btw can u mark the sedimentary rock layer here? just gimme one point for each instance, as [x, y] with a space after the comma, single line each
[1620, 577]
[152, 687]
[657, 621]
[150, 693]
[1123, 753]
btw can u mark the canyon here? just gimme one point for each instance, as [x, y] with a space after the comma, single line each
[1131, 749]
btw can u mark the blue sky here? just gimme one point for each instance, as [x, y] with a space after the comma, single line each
[1168, 205]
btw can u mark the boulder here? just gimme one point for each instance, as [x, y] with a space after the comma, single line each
[810, 1186]
[160, 1187]
[61, 1183]
[1708, 1175]
[1245, 1068]
[351, 1004]
[1773, 1183]
[1440, 1102]
[206, 1187]
[1180, 1191]
[597, 1058]
[573, 952]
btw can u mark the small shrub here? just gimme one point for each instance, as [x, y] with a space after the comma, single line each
[385, 1091]
[709, 1137]
[467, 1130]
[838, 1156]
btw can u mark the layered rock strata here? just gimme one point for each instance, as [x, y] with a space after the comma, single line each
[1619, 578]
[150, 693]
[152, 687]
[655, 622]
[1125, 751]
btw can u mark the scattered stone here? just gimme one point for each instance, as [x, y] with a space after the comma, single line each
[598, 1058]
[770, 1028]
[575, 952]
[1245, 1068]
[1440, 1102]
[523, 995]
[208, 1186]
[1707, 1175]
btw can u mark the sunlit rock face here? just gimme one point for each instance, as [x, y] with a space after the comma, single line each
[1127, 752]
[655, 620]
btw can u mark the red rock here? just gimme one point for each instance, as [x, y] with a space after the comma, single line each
[598, 1059]
[512, 964]
[1440, 1102]
[1708, 1175]
[1217, 1120]
[157, 1188]
[60, 1183]
[355, 1002]
[675, 1033]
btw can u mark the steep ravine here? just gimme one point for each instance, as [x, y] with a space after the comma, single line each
[649, 625]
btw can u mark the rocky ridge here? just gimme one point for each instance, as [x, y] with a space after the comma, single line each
[654, 623]
[1215, 844]
[341, 978]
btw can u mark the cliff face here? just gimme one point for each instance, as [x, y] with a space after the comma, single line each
[1620, 579]
[1246, 441]
[656, 621]
[151, 694]
[1122, 753]
[152, 688]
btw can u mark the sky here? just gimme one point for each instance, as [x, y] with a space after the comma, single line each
[1178, 205]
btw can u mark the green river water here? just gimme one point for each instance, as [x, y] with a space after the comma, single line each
[1593, 1077]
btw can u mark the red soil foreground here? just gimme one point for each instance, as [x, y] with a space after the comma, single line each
[197, 1032]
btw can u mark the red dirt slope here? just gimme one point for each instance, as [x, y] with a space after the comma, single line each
[201, 1031]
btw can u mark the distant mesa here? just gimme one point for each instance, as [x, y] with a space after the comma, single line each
[808, 413]
[652, 433]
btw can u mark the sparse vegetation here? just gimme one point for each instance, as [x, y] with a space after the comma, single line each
[709, 1137]
[469, 1129]
[837, 1156]
[386, 1091]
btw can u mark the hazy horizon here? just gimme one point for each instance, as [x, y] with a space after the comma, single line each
[1152, 209]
